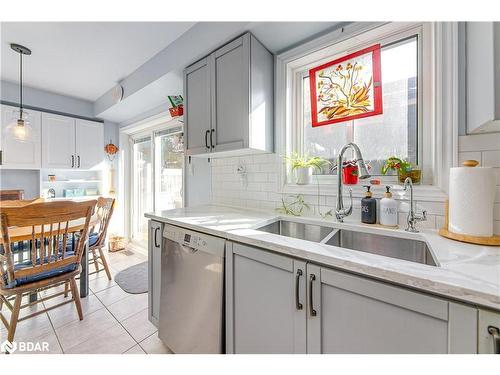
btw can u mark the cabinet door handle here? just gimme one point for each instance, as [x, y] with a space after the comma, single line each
[312, 311]
[298, 305]
[1, 157]
[78, 158]
[495, 333]
[211, 141]
[72, 161]
[206, 139]
[156, 237]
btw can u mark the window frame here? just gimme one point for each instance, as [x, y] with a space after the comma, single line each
[434, 142]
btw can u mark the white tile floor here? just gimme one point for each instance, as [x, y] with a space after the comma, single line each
[114, 321]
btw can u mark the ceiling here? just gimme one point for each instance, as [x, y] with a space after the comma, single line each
[83, 59]
[86, 59]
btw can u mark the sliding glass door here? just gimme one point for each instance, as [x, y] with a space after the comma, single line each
[142, 181]
[169, 161]
[157, 176]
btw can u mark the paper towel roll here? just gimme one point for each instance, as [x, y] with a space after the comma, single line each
[471, 197]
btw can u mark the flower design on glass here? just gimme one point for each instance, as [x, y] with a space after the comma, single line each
[344, 89]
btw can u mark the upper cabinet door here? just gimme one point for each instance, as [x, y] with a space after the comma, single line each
[18, 154]
[197, 105]
[58, 141]
[231, 95]
[89, 144]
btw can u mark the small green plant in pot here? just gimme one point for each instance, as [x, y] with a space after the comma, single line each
[303, 166]
[403, 168]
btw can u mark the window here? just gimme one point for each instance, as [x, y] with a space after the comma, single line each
[394, 133]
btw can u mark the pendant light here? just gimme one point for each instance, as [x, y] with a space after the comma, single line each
[20, 127]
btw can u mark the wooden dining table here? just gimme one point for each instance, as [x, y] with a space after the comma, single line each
[74, 226]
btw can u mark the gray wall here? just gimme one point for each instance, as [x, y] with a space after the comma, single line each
[47, 100]
[27, 180]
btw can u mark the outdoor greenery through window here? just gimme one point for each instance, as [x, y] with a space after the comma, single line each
[394, 133]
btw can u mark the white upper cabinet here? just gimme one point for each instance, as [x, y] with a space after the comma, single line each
[483, 76]
[89, 144]
[58, 147]
[71, 143]
[16, 154]
[236, 82]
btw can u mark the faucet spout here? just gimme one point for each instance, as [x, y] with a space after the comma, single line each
[340, 210]
[412, 217]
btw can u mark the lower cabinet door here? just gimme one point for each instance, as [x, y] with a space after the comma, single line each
[489, 332]
[352, 314]
[154, 270]
[266, 302]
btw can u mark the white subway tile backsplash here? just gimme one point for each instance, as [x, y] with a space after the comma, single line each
[469, 155]
[491, 159]
[262, 191]
[496, 211]
[479, 142]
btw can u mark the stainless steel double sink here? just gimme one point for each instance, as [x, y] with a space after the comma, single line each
[394, 247]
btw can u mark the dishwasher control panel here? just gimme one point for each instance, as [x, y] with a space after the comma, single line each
[195, 240]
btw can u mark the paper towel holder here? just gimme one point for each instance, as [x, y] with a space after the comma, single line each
[488, 241]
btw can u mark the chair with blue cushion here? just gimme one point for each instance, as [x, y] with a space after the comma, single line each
[97, 237]
[50, 263]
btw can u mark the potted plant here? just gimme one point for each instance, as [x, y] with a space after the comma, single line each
[303, 166]
[403, 168]
[350, 173]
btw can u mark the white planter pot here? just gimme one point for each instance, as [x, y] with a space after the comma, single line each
[303, 175]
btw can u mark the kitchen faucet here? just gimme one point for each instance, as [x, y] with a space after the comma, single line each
[412, 217]
[340, 211]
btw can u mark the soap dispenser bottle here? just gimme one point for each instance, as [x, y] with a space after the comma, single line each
[368, 208]
[388, 209]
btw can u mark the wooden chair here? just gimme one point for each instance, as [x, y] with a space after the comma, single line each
[51, 262]
[97, 240]
[19, 202]
[11, 195]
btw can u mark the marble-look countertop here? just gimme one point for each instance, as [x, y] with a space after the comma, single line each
[465, 272]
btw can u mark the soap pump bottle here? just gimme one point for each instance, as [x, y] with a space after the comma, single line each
[388, 209]
[368, 208]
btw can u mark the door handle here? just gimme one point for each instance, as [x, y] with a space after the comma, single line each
[72, 161]
[78, 158]
[312, 311]
[211, 141]
[298, 305]
[495, 333]
[206, 138]
[156, 237]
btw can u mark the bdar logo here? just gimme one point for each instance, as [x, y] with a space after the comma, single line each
[8, 347]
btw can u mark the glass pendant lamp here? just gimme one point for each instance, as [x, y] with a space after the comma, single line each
[19, 127]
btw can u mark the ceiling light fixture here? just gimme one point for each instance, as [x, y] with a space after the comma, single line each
[20, 127]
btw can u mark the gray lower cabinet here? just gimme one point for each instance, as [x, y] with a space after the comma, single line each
[277, 304]
[489, 332]
[358, 315]
[261, 310]
[154, 270]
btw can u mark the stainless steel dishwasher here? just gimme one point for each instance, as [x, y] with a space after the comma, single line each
[192, 291]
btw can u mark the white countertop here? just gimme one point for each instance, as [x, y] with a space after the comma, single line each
[469, 273]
